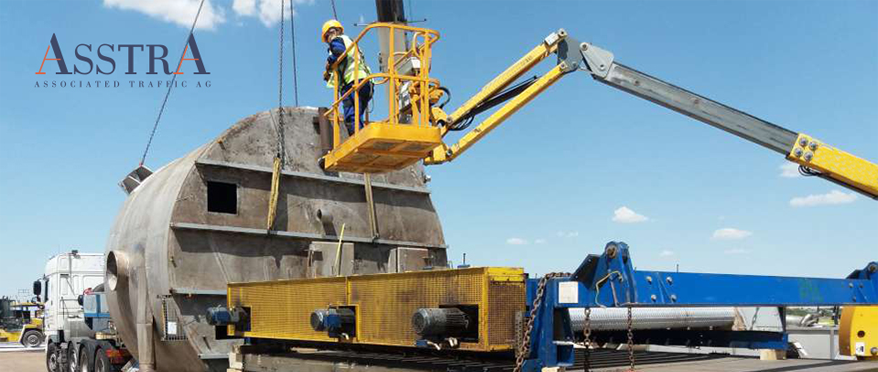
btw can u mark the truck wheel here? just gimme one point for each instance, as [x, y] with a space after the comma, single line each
[32, 338]
[72, 359]
[52, 362]
[83, 360]
[102, 362]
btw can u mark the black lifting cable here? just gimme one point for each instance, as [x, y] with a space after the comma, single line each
[168, 93]
[334, 14]
[293, 42]
[280, 64]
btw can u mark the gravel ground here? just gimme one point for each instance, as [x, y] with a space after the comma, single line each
[18, 359]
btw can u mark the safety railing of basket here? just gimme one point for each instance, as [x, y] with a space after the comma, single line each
[422, 40]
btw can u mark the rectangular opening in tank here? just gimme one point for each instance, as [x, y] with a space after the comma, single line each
[222, 197]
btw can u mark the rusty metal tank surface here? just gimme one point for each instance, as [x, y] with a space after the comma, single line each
[199, 223]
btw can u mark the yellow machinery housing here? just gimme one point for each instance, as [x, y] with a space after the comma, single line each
[858, 332]
[384, 305]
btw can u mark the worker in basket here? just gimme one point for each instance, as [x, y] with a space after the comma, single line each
[351, 69]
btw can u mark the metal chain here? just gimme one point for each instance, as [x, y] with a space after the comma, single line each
[171, 85]
[587, 332]
[293, 42]
[630, 342]
[280, 87]
[524, 346]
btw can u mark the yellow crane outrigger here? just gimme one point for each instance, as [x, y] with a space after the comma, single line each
[415, 126]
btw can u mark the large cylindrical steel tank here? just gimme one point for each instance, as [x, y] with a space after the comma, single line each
[199, 223]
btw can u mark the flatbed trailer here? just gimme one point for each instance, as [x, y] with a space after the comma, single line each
[251, 358]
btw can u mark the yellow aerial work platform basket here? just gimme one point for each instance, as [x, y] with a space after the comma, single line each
[410, 132]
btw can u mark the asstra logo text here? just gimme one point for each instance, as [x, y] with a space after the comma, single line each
[102, 60]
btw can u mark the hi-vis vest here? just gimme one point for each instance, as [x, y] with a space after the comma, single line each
[348, 65]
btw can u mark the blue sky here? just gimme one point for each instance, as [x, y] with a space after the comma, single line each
[540, 192]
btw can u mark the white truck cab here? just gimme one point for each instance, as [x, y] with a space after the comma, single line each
[66, 277]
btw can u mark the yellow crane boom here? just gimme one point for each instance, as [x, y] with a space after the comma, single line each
[814, 157]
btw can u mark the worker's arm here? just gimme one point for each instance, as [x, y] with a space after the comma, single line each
[336, 50]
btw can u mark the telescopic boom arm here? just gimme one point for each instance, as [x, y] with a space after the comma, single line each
[814, 157]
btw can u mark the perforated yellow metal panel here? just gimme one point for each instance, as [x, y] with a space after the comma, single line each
[500, 326]
[282, 308]
[385, 304]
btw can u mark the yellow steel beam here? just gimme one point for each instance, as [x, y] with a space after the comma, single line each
[443, 153]
[536, 55]
[836, 164]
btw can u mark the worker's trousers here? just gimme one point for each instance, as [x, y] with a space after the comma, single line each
[365, 95]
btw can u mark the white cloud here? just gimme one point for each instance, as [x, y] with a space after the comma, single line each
[729, 233]
[540, 241]
[789, 170]
[736, 251]
[244, 7]
[831, 198]
[180, 12]
[666, 253]
[626, 215]
[568, 234]
[268, 11]
[516, 241]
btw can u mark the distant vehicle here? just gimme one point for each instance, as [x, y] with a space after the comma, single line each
[21, 322]
[80, 336]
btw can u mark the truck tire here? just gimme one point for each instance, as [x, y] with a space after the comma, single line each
[83, 360]
[52, 362]
[32, 338]
[102, 362]
[72, 359]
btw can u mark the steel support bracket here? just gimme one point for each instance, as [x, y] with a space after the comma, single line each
[608, 279]
[569, 55]
[598, 60]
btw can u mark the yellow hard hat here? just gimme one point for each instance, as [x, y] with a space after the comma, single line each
[328, 25]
